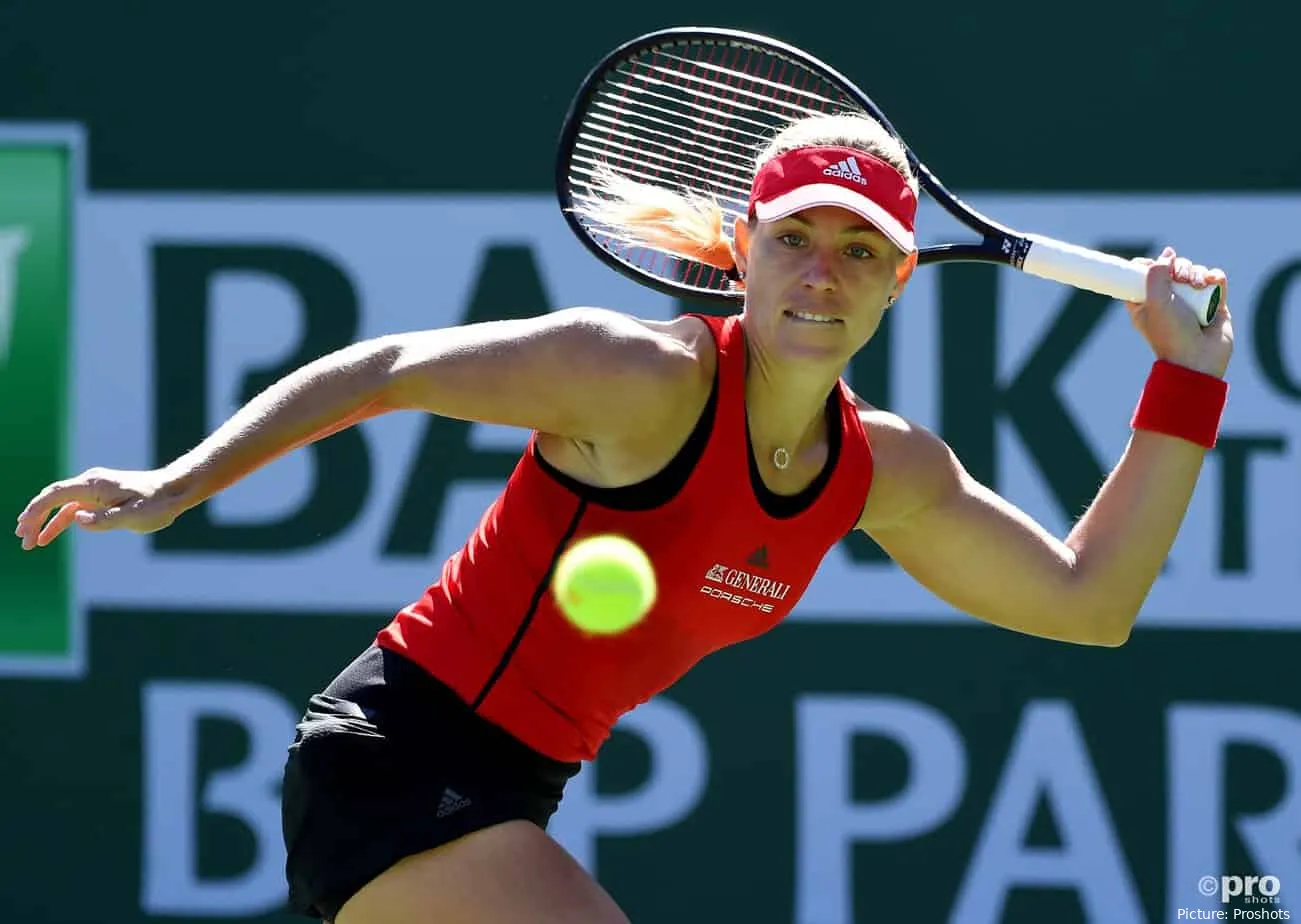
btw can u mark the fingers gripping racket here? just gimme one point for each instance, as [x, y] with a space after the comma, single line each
[689, 108]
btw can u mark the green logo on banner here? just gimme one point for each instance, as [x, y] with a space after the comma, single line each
[40, 178]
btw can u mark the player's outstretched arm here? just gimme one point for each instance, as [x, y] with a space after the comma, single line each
[585, 373]
[985, 557]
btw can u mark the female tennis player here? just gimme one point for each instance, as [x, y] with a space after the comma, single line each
[422, 778]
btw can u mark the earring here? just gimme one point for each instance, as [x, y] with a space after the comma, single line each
[889, 302]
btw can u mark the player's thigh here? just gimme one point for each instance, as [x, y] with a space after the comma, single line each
[509, 873]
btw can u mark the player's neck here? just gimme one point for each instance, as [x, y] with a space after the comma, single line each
[786, 405]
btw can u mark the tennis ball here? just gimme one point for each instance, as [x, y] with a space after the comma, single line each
[604, 584]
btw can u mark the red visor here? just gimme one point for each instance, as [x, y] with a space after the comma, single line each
[844, 177]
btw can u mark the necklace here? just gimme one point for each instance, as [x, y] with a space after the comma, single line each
[781, 458]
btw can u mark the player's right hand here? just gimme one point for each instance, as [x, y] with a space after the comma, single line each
[100, 499]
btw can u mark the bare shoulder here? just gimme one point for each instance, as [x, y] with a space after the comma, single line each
[675, 359]
[651, 385]
[911, 465]
[686, 341]
[635, 376]
[619, 336]
[890, 433]
[586, 373]
[661, 371]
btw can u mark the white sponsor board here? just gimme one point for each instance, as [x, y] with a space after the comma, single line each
[1048, 766]
[413, 261]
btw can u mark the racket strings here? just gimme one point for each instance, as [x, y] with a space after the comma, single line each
[663, 134]
[690, 116]
[818, 102]
[664, 129]
[631, 149]
[701, 117]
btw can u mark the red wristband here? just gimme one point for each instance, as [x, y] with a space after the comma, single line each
[1179, 401]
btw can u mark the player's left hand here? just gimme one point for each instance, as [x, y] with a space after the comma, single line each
[1170, 328]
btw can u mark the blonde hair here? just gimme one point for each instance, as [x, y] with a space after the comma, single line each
[690, 225]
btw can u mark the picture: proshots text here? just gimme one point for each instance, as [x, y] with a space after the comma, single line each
[1235, 914]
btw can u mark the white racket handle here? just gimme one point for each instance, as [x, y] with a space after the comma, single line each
[1108, 275]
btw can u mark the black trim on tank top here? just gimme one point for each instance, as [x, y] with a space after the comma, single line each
[658, 489]
[538, 591]
[782, 506]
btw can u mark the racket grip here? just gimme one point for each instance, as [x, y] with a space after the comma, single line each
[1109, 275]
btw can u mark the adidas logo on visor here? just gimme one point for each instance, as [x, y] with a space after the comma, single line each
[847, 169]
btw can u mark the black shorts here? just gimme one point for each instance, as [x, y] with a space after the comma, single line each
[388, 762]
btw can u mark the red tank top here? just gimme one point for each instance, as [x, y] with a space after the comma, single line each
[729, 567]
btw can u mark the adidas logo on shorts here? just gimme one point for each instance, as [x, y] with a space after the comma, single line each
[847, 169]
[452, 801]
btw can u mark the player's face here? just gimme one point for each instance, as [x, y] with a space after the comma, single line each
[818, 282]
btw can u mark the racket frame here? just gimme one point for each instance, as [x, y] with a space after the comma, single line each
[1057, 260]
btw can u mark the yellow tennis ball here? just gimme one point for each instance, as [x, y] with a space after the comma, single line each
[604, 584]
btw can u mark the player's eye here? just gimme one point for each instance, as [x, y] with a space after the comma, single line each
[861, 252]
[791, 238]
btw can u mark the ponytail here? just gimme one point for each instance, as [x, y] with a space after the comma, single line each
[686, 225]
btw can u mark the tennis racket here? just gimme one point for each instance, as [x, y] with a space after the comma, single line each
[691, 107]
